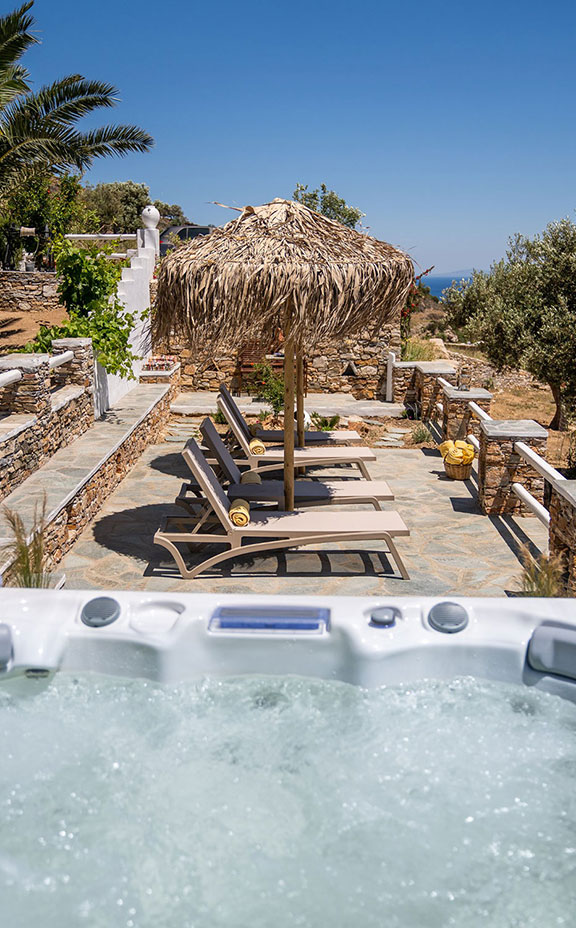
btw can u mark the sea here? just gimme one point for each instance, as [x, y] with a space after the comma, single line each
[438, 284]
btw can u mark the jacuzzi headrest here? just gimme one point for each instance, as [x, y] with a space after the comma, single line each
[552, 650]
[6, 646]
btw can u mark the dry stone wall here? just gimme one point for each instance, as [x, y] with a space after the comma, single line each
[563, 531]
[28, 291]
[353, 365]
[45, 410]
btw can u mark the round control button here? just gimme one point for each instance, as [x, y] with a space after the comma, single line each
[100, 611]
[384, 616]
[448, 618]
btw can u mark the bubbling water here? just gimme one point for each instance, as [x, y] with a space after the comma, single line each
[273, 802]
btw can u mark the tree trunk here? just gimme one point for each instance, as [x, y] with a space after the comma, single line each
[559, 421]
[300, 396]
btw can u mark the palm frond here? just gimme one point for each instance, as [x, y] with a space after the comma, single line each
[15, 35]
[15, 39]
[38, 129]
[113, 140]
[70, 98]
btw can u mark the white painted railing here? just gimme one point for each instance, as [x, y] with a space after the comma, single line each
[478, 412]
[104, 236]
[531, 503]
[58, 360]
[9, 377]
[541, 466]
[444, 383]
[531, 457]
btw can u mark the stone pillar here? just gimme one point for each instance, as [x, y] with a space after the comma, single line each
[562, 532]
[499, 466]
[31, 394]
[428, 389]
[404, 382]
[458, 421]
[80, 370]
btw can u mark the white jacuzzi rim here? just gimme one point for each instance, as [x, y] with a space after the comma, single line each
[165, 637]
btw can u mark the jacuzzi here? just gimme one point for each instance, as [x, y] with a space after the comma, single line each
[228, 761]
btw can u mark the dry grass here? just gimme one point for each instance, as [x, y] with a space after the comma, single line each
[534, 402]
[541, 576]
[27, 548]
[420, 349]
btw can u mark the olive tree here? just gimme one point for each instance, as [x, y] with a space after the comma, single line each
[329, 204]
[523, 312]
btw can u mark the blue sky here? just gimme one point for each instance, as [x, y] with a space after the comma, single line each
[451, 125]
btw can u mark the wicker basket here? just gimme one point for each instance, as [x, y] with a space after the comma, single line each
[458, 471]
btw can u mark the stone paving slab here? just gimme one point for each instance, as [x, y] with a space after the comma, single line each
[327, 404]
[453, 548]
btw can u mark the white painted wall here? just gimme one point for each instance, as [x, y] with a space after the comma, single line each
[134, 293]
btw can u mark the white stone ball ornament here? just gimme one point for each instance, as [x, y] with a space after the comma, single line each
[150, 217]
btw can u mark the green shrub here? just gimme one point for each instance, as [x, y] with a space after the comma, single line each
[420, 434]
[417, 349]
[87, 286]
[324, 423]
[219, 417]
[270, 386]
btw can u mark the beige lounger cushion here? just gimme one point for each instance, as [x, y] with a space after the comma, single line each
[310, 490]
[278, 525]
[276, 453]
[337, 436]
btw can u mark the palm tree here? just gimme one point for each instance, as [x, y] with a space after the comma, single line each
[38, 129]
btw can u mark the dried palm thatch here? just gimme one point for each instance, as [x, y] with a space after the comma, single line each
[239, 282]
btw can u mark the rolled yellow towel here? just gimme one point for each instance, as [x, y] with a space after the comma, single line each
[250, 476]
[257, 446]
[454, 456]
[445, 447]
[239, 513]
[467, 451]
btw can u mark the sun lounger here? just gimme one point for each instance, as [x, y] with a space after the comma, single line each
[273, 457]
[306, 492]
[266, 531]
[312, 437]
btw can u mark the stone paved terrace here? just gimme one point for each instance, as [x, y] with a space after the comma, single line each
[453, 549]
[327, 404]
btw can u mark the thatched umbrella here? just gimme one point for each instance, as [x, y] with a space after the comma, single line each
[280, 266]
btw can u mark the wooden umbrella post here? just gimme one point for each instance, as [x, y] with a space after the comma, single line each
[300, 396]
[288, 418]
